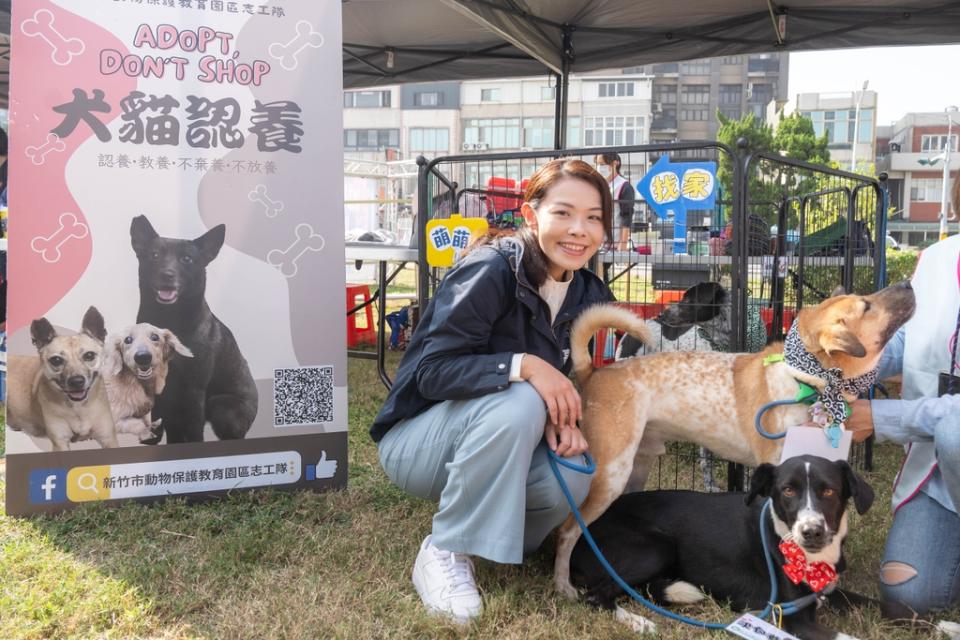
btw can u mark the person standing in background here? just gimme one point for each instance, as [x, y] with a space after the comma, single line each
[624, 196]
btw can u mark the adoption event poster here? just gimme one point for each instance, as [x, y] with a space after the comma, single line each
[176, 320]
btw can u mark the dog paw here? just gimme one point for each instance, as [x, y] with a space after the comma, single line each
[635, 621]
[565, 589]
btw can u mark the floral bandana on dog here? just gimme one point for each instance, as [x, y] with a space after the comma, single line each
[831, 408]
[816, 574]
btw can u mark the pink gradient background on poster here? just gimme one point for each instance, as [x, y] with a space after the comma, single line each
[39, 194]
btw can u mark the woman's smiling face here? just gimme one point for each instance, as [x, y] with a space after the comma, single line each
[568, 224]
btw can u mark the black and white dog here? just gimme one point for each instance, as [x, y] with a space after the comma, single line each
[704, 306]
[679, 544]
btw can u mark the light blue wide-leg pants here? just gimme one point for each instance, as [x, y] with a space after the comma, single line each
[485, 460]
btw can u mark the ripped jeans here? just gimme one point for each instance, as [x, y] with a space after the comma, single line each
[921, 562]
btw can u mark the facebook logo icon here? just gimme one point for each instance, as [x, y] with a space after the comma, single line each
[48, 486]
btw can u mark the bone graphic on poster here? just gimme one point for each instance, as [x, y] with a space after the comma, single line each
[287, 52]
[64, 49]
[271, 207]
[286, 259]
[38, 154]
[49, 247]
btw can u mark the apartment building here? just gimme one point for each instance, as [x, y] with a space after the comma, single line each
[687, 95]
[911, 152]
[604, 109]
[843, 117]
[401, 121]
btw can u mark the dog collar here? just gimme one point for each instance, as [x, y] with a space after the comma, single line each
[817, 575]
[833, 409]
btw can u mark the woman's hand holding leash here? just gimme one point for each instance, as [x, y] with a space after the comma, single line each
[570, 442]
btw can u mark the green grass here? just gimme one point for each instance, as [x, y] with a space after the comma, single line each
[270, 564]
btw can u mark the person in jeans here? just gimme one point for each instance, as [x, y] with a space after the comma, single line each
[482, 391]
[921, 562]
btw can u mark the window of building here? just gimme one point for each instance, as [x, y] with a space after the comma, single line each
[695, 115]
[431, 141]
[732, 113]
[615, 89]
[926, 189]
[763, 63]
[548, 93]
[371, 139]
[538, 132]
[479, 174]
[496, 133]
[730, 94]
[937, 142]
[428, 99]
[665, 93]
[695, 68]
[695, 94]
[729, 60]
[366, 99]
[489, 95]
[838, 125]
[611, 131]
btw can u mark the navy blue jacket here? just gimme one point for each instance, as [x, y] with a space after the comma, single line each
[483, 312]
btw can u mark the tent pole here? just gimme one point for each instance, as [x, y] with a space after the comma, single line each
[563, 87]
[557, 111]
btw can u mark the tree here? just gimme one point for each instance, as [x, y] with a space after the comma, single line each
[771, 182]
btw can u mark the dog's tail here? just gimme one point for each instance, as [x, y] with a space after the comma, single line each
[598, 317]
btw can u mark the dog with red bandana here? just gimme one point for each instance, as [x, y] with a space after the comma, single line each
[680, 545]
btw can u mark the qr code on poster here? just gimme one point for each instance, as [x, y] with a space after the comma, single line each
[302, 396]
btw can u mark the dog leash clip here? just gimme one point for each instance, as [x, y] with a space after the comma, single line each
[776, 616]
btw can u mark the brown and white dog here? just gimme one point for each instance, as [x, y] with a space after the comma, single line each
[135, 371]
[60, 395]
[633, 407]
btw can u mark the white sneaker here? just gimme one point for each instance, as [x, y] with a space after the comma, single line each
[445, 582]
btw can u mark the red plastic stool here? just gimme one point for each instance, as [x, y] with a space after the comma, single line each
[357, 333]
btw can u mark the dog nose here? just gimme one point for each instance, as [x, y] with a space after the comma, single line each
[813, 533]
[76, 382]
[168, 275]
[143, 358]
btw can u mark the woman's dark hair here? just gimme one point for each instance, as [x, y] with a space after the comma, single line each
[612, 159]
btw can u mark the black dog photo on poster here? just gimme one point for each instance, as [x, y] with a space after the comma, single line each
[214, 384]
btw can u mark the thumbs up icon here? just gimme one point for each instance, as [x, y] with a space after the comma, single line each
[323, 469]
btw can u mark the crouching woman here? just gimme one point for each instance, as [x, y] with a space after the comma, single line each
[482, 391]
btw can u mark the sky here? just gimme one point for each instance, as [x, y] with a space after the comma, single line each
[906, 79]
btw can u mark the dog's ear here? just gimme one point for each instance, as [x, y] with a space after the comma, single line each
[93, 326]
[142, 234]
[761, 482]
[172, 343]
[113, 356]
[855, 487]
[42, 333]
[209, 243]
[838, 338]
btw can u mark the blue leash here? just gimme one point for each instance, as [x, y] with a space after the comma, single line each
[770, 405]
[787, 609]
